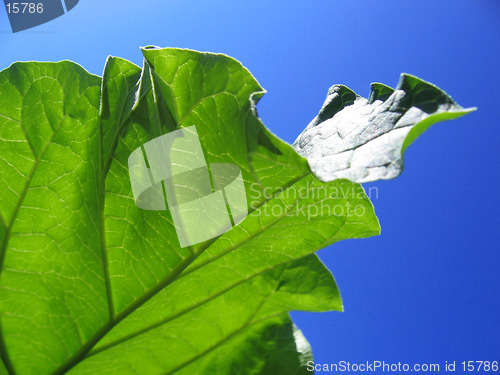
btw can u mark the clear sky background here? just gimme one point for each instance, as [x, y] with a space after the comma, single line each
[427, 289]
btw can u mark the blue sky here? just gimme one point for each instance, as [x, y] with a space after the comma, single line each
[427, 289]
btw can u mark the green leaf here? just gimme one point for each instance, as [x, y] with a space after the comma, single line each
[52, 295]
[275, 346]
[92, 284]
[364, 140]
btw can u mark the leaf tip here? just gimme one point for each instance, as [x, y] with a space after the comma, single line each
[379, 91]
[149, 47]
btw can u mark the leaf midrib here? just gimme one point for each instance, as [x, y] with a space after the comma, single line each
[206, 300]
[104, 166]
[179, 272]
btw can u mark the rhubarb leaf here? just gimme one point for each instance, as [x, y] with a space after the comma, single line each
[90, 283]
[363, 140]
